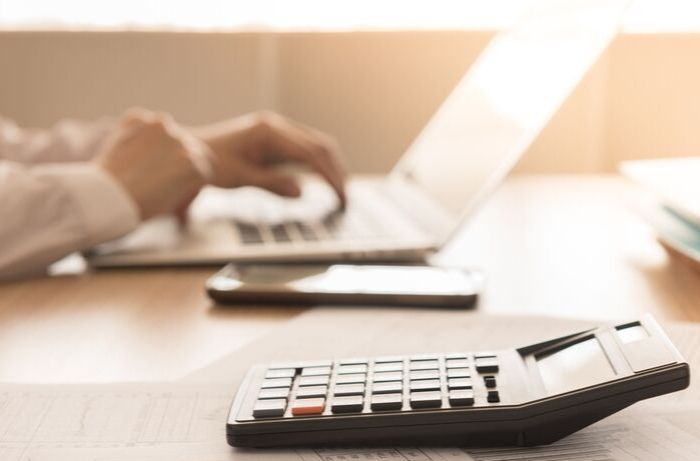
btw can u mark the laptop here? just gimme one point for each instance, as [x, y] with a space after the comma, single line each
[471, 142]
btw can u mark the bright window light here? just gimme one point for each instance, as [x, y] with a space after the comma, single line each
[643, 16]
[277, 14]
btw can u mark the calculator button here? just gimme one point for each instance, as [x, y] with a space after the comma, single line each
[456, 356]
[493, 397]
[283, 365]
[388, 358]
[353, 361]
[348, 404]
[308, 407]
[388, 376]
[316, 363]
[351, 369]
[462, 397]
[312, 391]
[351, 379]
[459, 373]
[457, 363]
[486, 365]
[349, 389]
[425, 385]
[425, 365]
[387, 388]
[459, 383]
[278, 382]
[386, 402]
[281, 373]
[421, 357]
[316, 371]
[490, 381]
[426, 399]
[424, 374]
[269, 408]
[313, 380]
[389, 366]
[279, 393]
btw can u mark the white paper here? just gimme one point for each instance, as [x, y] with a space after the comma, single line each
[52, 419]
[650, 432]
[186, 420]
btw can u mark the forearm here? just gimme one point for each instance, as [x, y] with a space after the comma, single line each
[67, 141]
[49, 211]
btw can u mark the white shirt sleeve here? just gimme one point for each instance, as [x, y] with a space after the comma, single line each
[67, 141]
[49, 210]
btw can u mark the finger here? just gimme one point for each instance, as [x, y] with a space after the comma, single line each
[275, 182]
[137, 116]
[296, 144]
[329, 143]
[181, 211]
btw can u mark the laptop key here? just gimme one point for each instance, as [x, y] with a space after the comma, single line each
[249, 233]
[306, 232]
[280, 234]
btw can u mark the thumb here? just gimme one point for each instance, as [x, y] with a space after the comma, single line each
[182, 209]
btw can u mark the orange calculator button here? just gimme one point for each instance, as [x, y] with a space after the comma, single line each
[308, 407]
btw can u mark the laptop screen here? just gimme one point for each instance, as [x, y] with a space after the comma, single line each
[506, 98]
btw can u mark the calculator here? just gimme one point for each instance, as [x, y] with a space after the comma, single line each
[523, 396]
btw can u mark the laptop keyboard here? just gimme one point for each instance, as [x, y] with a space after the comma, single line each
[335, 226]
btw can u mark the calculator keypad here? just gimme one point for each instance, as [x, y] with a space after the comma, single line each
[360, 385]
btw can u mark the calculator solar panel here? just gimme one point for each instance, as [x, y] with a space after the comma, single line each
[525, 396]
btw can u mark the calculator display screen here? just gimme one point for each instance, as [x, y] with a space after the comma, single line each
[574, 366]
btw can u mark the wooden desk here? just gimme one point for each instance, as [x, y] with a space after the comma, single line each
[564, 246]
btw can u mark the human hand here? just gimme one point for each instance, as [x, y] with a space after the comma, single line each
[155, 160]
[246, 151]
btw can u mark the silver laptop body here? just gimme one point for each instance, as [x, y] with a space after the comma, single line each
[473, 140]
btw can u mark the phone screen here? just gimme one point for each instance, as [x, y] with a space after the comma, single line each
[401, 280]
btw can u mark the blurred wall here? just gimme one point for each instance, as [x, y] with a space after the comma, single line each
[373, 90]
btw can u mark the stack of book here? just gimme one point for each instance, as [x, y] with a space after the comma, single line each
[675, 184]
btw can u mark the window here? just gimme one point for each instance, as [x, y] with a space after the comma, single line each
[642, 16]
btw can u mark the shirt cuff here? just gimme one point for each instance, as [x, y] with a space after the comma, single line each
[106, 210]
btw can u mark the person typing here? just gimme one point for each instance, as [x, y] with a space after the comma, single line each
[84, 183]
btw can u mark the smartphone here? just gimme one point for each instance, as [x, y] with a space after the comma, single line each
[345, 284]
